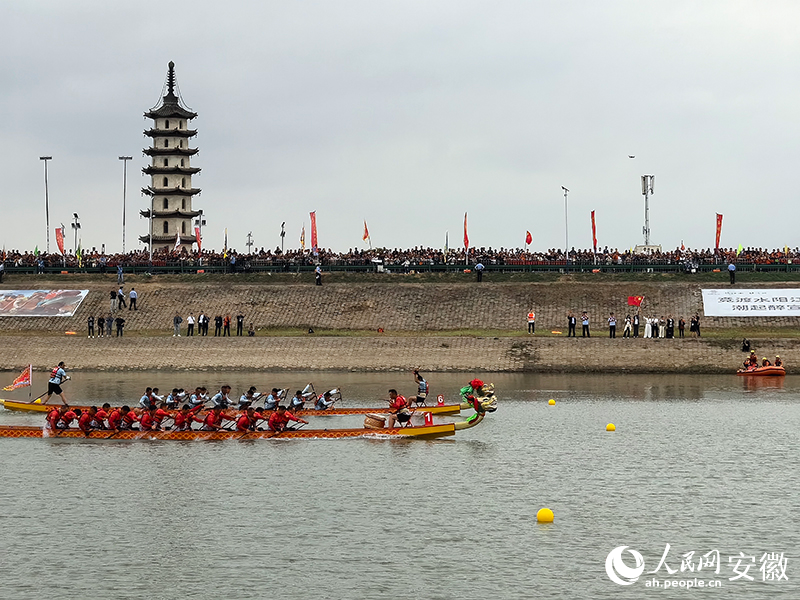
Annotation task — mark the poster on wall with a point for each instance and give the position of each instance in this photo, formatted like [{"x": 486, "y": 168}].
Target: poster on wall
[
  {"x": 751, "y": 303},
  {"x": 40, "y": 303}
]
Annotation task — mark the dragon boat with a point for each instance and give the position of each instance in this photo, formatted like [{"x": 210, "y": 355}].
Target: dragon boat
[
  {"x": 436, "y": 409},
  {"x": 373, "y": 428},
  {"x": 770, "y": 371}
]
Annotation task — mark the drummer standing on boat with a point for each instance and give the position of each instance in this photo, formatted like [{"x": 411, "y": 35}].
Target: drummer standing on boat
[{"x": 57, "y": 377}]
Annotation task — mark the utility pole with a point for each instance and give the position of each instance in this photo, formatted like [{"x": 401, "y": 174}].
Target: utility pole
[
  {"x": 566, "y": 221},
  {"x": 76, "y": 225},
  {"x": 648, "y": 183},
  {"x": 46, "y": 199},
  {"x": 124, "y": 160}
]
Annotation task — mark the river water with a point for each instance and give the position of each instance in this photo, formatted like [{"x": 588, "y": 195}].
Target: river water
[{"x": 701, "y": 463}]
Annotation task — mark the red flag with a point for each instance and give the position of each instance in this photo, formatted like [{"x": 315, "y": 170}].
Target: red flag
[
  {"x": 719, "y": 229},
  {"x": 466, "y": 237},
  {"x": 635, "y": 300},
  {"x": 23, "y": 380},
  {"x": 682, "y": 246},
  {"x": 594, "y": 234},
  {"x": 528, "y": 237},
  {"x": 60, "y": 239},
  {"x": 365, "y": 237},
  {"x": 313, "y": 231},
  {"x": 197, "y": 238}
]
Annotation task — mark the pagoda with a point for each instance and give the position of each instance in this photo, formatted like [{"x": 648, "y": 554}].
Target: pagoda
[{"x": 170, "y": 171}]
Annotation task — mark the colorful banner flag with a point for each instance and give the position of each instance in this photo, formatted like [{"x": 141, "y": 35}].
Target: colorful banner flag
[
  {"x": 682, "y": 246},
  {"x": 314, "y": 248},
  {"x": 785, "y": 251},
  {"x": 446, "y": 243},
  {"x": 365, "y": 237},
  {"x": 36, "y": 251},
  {"x": 739, "y": 250},
  {"x": 197, "y": 239},
  {"x": 719, "y": 229},
  {"x": 177, "y": 242},
  {"x": 635, "y": 300},
  {"x": 60, "y": 238},
  {"x": 225, "y": 245},
  {"x": 303, "y": 238},
  {"x": 79, "y": 255},
  {"x": 528, "y": 238},
  {"x": 466, "y": 237},
  {"x": 24, "y": 380},
  {"x": 594, "y": 234}
]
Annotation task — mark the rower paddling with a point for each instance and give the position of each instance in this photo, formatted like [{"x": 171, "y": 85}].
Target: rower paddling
[
  {"x": 399, "y": 408},
  {"x": 279, "y": 420}
]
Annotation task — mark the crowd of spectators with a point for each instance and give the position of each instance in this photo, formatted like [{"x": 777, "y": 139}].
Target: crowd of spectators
[{"x": 403, "y": 258}]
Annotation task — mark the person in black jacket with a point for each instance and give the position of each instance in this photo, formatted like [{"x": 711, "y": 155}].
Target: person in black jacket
[
  {"x": 571, "y": 322},
  {"x": 636, "y": 325}
]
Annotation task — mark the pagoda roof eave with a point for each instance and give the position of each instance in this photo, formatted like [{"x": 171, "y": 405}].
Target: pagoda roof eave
[
  {"x": 168, "y": 214},
  {"x": 161, "y": 239},
  {"x": 170, "y": 151},
  {"x": 156, "y": 170},
  {"x": 170, "y": 110},
  {"x": 185, "y": 133},
  {"x": 150, "y": 191}
]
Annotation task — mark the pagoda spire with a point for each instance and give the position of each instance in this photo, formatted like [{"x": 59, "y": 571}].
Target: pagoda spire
[{"x": 171, "y": 79}]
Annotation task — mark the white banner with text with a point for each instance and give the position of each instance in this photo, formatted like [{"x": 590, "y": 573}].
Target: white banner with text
[{"x": 751, "y": 303}]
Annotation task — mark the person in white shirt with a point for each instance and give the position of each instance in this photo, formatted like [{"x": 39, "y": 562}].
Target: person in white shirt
[
  {"x": 132, "y": 296},
  {"x": 189, "y": 325}
]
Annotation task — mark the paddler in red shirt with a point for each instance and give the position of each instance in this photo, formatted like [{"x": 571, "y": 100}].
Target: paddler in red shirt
[
  {"x": 246, "y": 420},
  {"x": 186, "y": 416},
  {"x": 115, "y": 419},
  {"x": 128, "y": 418},
  {"x": 99, "y": 420},
  {"x": 159, "y": 415},
  {"x": 54, "y": 416},
  {"x": 68, "y": 417},
  {"x": 146, "y": 421},
  {"x": 85, "y": 421},
  {"x": 279, "y": 420},
  {"x": 213, "y": 420}
]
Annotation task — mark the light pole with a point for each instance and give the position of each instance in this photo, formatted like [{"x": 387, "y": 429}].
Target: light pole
[
  {"x": 75, "y": 226},
  {"x": 249, "y": 243},
  {"x": 283, "y": 235},
  {"x": 648, "y": 182},
  {"x": 124, "y": 160},
  {"x": 566, "y": 224},
  {"x": 46, "y": 199}
]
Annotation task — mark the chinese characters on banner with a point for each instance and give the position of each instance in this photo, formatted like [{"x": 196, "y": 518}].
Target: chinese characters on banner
[{"x": 751, "y": 303}]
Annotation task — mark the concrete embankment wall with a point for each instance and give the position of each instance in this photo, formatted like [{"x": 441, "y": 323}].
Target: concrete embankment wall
[
  {"x": 386, "y": 353},
  {"x": 394, "y": 306}
]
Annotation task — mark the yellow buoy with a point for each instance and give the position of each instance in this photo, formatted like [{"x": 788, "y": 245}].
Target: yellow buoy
[
  {"x": 610, "y": 427},
  {"x": 545, "y": 515},
  {"x": 552, "y": 402}
]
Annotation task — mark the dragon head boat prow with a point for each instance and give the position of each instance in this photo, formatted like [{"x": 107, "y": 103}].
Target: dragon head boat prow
[{"x": 480, "y": 396}]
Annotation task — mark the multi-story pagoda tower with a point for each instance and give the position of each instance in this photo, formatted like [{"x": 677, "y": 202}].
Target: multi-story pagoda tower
[{"x": 170, "y": 171}]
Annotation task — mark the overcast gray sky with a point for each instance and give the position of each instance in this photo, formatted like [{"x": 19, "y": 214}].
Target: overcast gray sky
[{"x": 408, "y": 114}]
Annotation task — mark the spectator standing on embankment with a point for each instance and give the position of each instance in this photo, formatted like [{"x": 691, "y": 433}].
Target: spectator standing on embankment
[
  {"x": 109, "y": 323},
  {"x": 239, "y": 324},
  {"x": 120, "y": 276},
  {"x": 226, "y": 326},
  {"x": 217, "y": 325},
  {"x": 636, "y": 318},
  {"x": 120, "y": 325},
  {"x": 101, "y": 326},
  {"x": 732, "y": 272},
  {"x": 189, "y": 326},
  {"x": 318, "y": 275},
  {"x": 121, "y": 299},
  {"x": 132, "y": 297},
  {"x": 585, "y": 323},
  {"x": 612, "y": 326},
  {"x": 572, "y": 323},
  {"x": 479, "y": 271},
  {"x": 90, "y": 325},
  {"x": 532, "y": 321},
  {"x": 176, "y": 325},
  {"x": 113, "y": 298}
]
